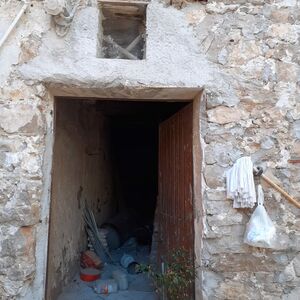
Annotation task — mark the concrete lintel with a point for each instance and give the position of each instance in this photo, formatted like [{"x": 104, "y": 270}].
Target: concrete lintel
[{"x": 126, "y": 92}]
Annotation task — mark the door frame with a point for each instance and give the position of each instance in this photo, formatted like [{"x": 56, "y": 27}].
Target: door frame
[
  {"x": 197, "y": 192},
  {"x": 140, "y": 94}
]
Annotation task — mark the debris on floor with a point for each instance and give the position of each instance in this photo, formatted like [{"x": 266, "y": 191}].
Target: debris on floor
[
  {"x": 89, "y": 259},
  {"x": 121, "y": 279},
  {"x": 89, "y": 274},
  {"x": 129, "y": 286},
  {"x": 109, "y": 268},
  {"x": 106, "y": 287}
]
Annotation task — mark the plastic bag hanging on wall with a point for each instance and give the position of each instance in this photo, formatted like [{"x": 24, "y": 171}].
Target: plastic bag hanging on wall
[{"x": 260, "y": 231}]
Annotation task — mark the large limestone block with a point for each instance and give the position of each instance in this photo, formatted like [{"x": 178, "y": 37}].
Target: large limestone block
[
  {"x": 20, "y": 118},
  {"x": 224, "y": 115},
  {"x": 283, "y": 32},
  {"x": 244, "y": 262},
  {"x": 293, "y": 295},
  {"x": 296, "y": 129},
  {"x": 214, "y": 176},
  {"x": 228, "y": 244},
  {"x": 20, "y": 201},
  {"x": 17, "y": 259},
  {"x": 296, "y": 263},
  {"x": 224, "y": 154},
  {"x": 243, "y": 52}
]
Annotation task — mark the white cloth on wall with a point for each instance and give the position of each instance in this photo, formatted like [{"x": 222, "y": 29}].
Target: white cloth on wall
[{"x": 240, "y": 183}]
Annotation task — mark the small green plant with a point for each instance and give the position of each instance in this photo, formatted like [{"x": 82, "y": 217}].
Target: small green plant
[{"x": 178, "y": 278}]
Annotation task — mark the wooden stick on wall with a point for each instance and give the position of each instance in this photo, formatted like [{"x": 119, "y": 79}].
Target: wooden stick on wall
[{"x": 258, "y": 171}]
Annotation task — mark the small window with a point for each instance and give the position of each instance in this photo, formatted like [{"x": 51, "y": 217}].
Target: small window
[{"x": 123, "y": 29}]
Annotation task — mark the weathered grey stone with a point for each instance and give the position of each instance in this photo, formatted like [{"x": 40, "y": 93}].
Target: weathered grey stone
[
  {"x": 267, "y": 143},
  {"x": 296, "y": 148},
  {"x": 29, "y": 47},
  {"x": 229, "y": 216},
  {"x": 295, "y": 112},
  {"x": 226, "y": 244},
  {"x": 19, "y": 117},
  {"x": 243, "y": 52},
  {"x": 243, "y": 262},
  {"x": 214, "y": 99},
  {"x": 220, "y": 8},
  {"x": 235, "y": 289},
  {"x": 268, "y": 73},
  {"x": 252, "y": 25},
  {"x": 11, "y": 145},
  {"x": 287, "y": 72},
  {"x": 278, "y": 15},
  {"x": 211, "y": 281},
  {"x": 214, "y": 176},
  {"x": 21, "y": 204},
  {"x": 32, "y": 165},
  {"x": 222, "y": 154},
  {"x": 283, "y": 32},
  {"x": 296, "y": 129},
  {"x": 10, "y": 161},
  {"x": 218, "y": 207},
  {"x": 215, "y": 195},
  {"x": 257, "y": 69},
  {"x": 287, "y": 275},
  {"x": 293, "y": 295},
  {"x": 251, "y": 10},
  {"x": 224, "y": 115},
  {"x": 296, "y": 264},
  {"x": 286, "y": 95},
  {"x": 23, "y": 215},
  {"x": 227, "y": 230},
  {"x": 223, "y": 56}
]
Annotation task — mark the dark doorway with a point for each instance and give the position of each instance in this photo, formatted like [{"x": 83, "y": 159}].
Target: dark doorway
[{"x": 107, "y": 154}]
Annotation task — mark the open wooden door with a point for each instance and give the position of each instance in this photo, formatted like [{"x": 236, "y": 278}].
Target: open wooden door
[{"x": 175, "y": 220}]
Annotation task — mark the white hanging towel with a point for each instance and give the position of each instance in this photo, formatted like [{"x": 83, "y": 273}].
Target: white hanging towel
[{"x": 240, "y": 183}]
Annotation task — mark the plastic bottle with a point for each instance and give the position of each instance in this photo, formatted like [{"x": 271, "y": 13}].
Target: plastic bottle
[
  {"x": 106, "y": 286},
  {"x": 121, "y": 279},
  {"x": 129, "y": 263}
]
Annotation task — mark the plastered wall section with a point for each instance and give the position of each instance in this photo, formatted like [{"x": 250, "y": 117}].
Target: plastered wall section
[
  {"x": 245, "y": 54},
  {"x": 81, "y": 173}
]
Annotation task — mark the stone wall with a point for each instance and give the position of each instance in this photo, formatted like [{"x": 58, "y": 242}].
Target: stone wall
[
  {"x": 245, "y": 54},
  {"x": 256, "y": 43}
]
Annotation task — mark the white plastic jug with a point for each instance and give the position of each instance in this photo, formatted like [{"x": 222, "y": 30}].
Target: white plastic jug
[{"x": 106, "y": 286}]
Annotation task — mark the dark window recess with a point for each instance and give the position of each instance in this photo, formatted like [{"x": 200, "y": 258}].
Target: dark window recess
[{"x": 123, "y": 29}]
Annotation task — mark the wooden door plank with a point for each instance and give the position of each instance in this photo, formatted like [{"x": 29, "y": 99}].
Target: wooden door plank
[{"x": 175, "y": 208}]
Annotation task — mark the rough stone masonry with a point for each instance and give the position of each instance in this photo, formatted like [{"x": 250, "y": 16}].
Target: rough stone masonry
[{"x": 244, "y": 54}]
